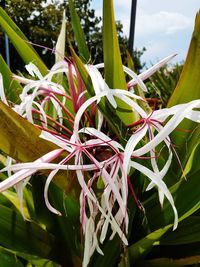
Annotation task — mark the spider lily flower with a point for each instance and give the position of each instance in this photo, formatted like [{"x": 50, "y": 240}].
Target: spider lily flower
[
  {"x": 107, "y": 170},
  {"x": 90, "y": 152},
  {"x": 35, "y": 89},
  {"x": 144, "y": 75},
  {"x": 149, "y": 72}
]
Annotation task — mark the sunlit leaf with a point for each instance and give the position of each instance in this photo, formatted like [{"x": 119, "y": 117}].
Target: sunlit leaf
[
  {"x": 114, "y": 74},
  {"x": 13, "y": 198},
  {"x": 78, "y": 32},
  {"x": 38, "y": 261},
  {"x": 184, "y": 234},
  {"x": 142, "y": 247},
  {"x": 114, "y": 121},
  {"x": 188, "y": 88},
  {"x": 20, "y": 139},
  {"x": 8, "y": 259}
]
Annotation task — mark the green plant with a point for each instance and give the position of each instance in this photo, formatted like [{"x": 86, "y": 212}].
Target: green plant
[
  {"x": 162, "y": 84},
  {"x": 105, "y": 149},
  {"x": 40, "y": 21}
]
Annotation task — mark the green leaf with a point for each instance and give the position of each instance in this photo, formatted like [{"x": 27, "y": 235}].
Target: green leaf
[
  {"x": 111, "y": 250},
  {"x": 20, "y": 139},
  {"x": 186, "y": 203},
  {"x": 12, "y": 88},
  {"x": 165, "y": 262},
  {"x": 143, "y": 246},
  {"x": 115, "y": 123},
  {"x": 11, "y": 23},
  {"x": 188, "y": 89},
  {"x": 192, "y": 165},
  {"x": 27, "y": 53},
  {"x": 83, "y": 72},
  {"x": 187, "y": 232},
  {"x": 114, "y": 73},
  {"x": 186, "y": 196},
  {"x": 66, "y": 228},
  {"x": 24, "y": 236},
  {"x": 78, "y": 32},
  {"x": 37, "y": 261},
  {"x": 8, "y": 259},
  {"x": 13, "y": 198}
]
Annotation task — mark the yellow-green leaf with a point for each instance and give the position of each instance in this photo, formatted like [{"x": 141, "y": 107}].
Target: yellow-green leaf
[
  {"x": 114, "y": 74},
  {"x": 20, "y": 139},
  {"x": 188, "y": 89}
]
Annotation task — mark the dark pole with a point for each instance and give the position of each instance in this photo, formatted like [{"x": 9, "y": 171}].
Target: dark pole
[{"x": 132, "y": 26}]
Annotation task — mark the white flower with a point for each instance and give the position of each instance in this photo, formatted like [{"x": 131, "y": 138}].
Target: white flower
[{"x": 90, "y": 152}]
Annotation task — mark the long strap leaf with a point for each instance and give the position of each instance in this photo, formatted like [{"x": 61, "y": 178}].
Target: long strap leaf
[
  {"x": 114, "y": 74},
  {"x": 27, "y": 53},
  {"x": 24, "y": 236},
  {"x": 188, "y": 88},
  {"x": 78, "y": 32},
  {"x": 114, "y": 121}
]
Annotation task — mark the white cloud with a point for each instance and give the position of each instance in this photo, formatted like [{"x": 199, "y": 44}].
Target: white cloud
[
  {"x": 155, "y": 50},
  {"x": 161, "y": 22},
  {"x": 163, "y": 27},
  {"x": 122, "y": 5}
]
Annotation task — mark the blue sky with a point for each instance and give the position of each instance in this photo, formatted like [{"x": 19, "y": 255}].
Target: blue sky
[{"x": 163, "y": 27}]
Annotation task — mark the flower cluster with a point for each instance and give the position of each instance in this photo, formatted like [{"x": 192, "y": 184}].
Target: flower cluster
[{"x": 85, "y": 145}]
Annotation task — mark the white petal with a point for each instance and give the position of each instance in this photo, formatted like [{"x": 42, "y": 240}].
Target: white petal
[
  {"x": 130, "y": 146},
  {"x": 59, "y": 141},
  {"x": 33, "y": 70},
  {"x": 16, "y": 178},
  {"x": 161, "y": 185},
  {"x": 146, "y": 74},
  {"x": 168, "y": 128},
  {"x": 46, "y": 188},
  {"x": 22, "y": 174},
  {"x": 136, "y": 78}
]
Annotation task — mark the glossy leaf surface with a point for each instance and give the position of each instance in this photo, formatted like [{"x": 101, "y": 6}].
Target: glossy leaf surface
[{"x": 15, "y": 136}]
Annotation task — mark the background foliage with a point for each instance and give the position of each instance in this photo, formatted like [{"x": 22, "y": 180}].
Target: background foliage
[{"x": 41, "y": 20}]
